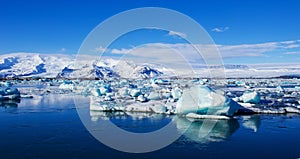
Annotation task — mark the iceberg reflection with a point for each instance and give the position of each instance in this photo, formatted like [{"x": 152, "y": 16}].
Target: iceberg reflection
[
  {"x": 195, "y": 130},
  {"x": 251, "y": 122},
  {"x": 9, "y": 103},
  {"x": 207, "y": 130}
]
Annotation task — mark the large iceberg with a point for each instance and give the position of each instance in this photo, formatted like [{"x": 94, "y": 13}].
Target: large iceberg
[{"x": 204, "y": 100}]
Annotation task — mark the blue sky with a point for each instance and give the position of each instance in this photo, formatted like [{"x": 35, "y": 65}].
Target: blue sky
[{"x": 53, "y": 26}]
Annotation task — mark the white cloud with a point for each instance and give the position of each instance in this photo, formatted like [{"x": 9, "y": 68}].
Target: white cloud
[
  {"x": 289, "y": 42},
  {"x": 184, "y": 56},
  {"x": 220, "y": 29},
  {"x": 63, "y": 50},
  {"x": 121, "y": 51},
  {"x": 99, "y": 49},
  {"x": 227, "y": 51},
  {"x": 292, "y": 53},
  {"x": 174, "y": 33}
]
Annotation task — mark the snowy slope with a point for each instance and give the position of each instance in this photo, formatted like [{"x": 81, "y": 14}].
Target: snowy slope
[{"x": 71, "y": 66}]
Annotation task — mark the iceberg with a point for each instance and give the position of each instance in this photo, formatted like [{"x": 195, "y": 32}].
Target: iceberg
[
  {"x": 7, "y": 93},
  {"x": 205, "y": 101}
]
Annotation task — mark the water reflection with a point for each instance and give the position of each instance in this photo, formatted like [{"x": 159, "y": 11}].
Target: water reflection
[
  {"x": 252, "y": 122},
  {"x": 9, "y": 103},
  {"x": 203, "y": 133},
  {"x": 132, "y": 121},
  {"x": 195, "y": 130}
]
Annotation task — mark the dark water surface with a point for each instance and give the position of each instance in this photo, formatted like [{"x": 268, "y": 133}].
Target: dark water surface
[{"x": 49, "y": 127}]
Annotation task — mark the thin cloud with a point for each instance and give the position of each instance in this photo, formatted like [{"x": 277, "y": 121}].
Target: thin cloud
[
  {"x": 220, "y": 29},
  {"x": 121, "y": 51},
  {"x": 226, "y": 51},
  {"x": 63, "y": 50},
  {"x": 175, "y": 33},
  {"x": 292, "y": 53},
  {"x": 99, "y": 49}
]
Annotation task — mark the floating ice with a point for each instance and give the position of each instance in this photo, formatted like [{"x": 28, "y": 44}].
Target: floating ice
[
  {"x": 198, "y": 116},
  {"x": 68, "y": 85},
  {"x": 9, "y": 93},
  {"x": 135, "y": 92},
  {"x": 123, "y": 91},
  {"x": 203, "y": 100},
  {"x": 250, "y": 97},
  {"x": 292, "y": 110},
  {"x": 150, "y": 107},
  {"x": 279, "y": 88},
  {"x": 176, "y": 93},
  {"x": 154, "y": 96},
  {"x": 96, "y": 92},
  {"x": 141, "y": 98}
]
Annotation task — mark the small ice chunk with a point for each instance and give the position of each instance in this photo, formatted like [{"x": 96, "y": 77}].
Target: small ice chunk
[
  {"x": 67, "y": 86},
  {"x": 26, "y": 96},
  {"x": 135, "y": 92},
  {"x": 166, "y": 95},
  {"x": 176, "y": 93},
  {"x": 292, "y": 110},
  {"x": 96, "y": 92},
  {"x": 198, "y": 116},
  {"x": 250, "y": 97},
  {"x": 105, "y": 89},
  {"x": 108, "y": 98},
  {"x": 123, "y": 91},
  {"x": 279, "y": 88},
  {"x": 141, "y": 98},
  {"x": 153, "y": 96},
  {"x": 160, "y": 109}
]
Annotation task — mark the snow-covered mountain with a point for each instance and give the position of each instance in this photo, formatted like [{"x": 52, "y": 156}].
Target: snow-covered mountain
[
  {"x": 70, "y": 66},
  {"x": 87, "y": 66}
]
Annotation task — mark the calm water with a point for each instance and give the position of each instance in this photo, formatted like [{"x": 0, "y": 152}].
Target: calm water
[{"x": 49, "y": 127}]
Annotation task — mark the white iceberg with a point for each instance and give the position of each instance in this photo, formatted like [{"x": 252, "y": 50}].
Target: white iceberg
[{"x": 205, "y": 101}]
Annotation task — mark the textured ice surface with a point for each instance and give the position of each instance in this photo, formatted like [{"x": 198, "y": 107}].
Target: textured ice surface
[{"x": 203, "y": 100}]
